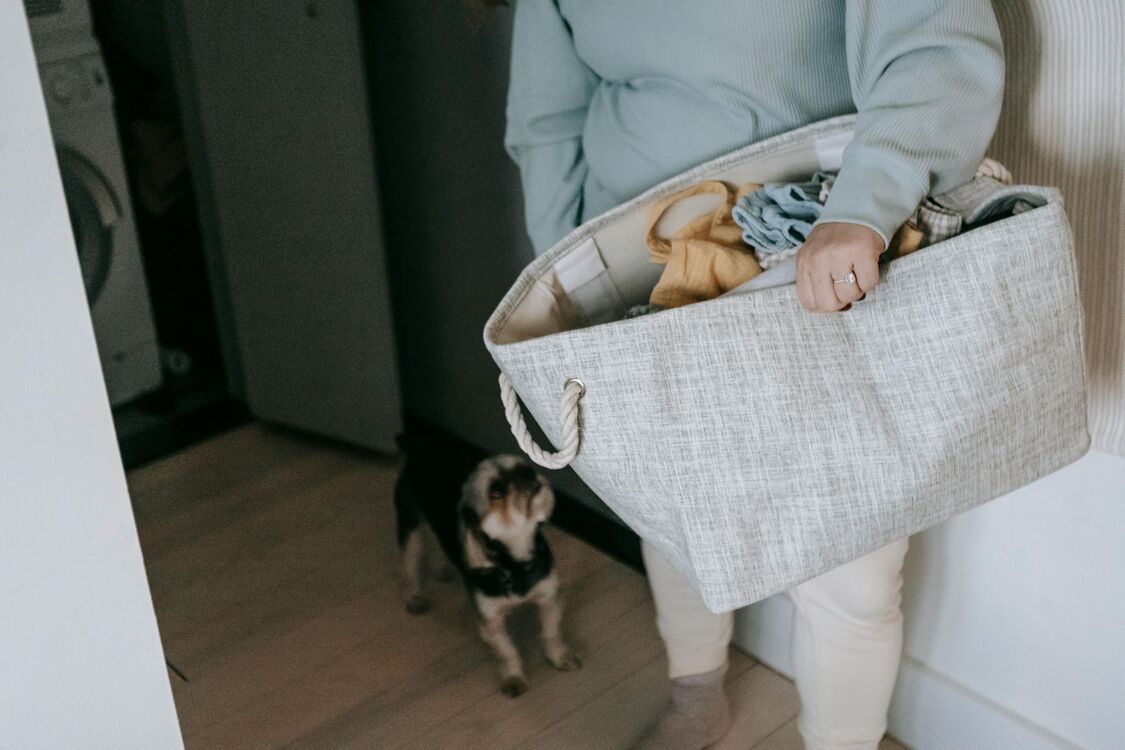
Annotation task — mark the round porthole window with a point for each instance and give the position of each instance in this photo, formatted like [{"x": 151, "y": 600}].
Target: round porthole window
[{"x": 94, "y": 211}]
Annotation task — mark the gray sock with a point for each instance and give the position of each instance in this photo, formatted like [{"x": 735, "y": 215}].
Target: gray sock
[{"x": 697, "y": 714}]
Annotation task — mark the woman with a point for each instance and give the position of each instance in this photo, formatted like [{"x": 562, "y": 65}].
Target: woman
[{"x": 609, "y": 97}]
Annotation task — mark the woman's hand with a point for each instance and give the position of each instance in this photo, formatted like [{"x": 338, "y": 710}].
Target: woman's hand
[{"x": 832, "y": 251}]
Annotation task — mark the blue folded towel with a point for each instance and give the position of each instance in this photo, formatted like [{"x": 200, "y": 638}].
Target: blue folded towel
[{"x": 780, "y": 216}]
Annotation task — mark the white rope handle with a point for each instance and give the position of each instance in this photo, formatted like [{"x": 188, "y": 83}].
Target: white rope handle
[{"x": 573, "y": 390}]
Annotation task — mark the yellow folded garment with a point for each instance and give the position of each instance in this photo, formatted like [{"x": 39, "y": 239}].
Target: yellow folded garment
[
  {"x": 707, "y": 256},
  {"x": 907, "y": 239}
]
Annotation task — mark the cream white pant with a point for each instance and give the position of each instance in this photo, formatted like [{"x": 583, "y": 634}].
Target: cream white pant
[{"x": 846, "y": 642}]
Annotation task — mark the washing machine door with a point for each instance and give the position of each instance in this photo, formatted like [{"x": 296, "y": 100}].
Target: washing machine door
[{"x": 94, "y": 211}]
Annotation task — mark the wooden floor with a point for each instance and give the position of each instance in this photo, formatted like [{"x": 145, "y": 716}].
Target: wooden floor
[{"x": 272, "y": 563}]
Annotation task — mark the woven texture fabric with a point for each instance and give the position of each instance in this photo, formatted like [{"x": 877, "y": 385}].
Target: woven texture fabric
[{"x": 757, "y": 445}]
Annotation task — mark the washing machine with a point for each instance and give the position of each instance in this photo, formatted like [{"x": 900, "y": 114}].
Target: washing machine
[{"x": 80, "y": 109}]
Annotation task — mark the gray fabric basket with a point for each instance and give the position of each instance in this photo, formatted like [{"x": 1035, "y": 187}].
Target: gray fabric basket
[{"x": 757, "y": 445}]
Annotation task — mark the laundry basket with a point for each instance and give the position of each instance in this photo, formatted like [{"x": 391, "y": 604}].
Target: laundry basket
[{"x": 757, "y": 445}]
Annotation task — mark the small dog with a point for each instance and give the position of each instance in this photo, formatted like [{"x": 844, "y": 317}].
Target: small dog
[{"x": 487, "y": 519}]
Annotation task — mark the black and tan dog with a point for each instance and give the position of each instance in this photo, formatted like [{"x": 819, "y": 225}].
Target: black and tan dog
[{"x": 487, "y": 518}]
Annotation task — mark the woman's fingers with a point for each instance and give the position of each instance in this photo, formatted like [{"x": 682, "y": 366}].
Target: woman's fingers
[
  {"x": 816, "y": 291},
  {"x": 805, "y": 285},
  {"x": 825, "y": 292},
  {"x": 837, "y": 251},
  {"x": 805, "y": 292},
  {"x": 847, "y": 285},
  {"x": 866, "y": 274}
]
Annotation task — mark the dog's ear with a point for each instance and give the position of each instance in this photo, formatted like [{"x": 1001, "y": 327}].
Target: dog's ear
[
  {"x": 543, "y": 503},
  {"x": 469, "y": 516}
]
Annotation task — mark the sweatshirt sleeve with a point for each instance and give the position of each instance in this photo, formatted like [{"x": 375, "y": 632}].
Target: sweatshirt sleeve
[
  {"x": 927, "y": 77},
  {"x": 549, "y": 91}
]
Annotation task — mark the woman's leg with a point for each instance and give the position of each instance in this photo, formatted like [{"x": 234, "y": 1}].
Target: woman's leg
[
  {"x": 846, "y": 646},
  {"x": 697, "y": 641}
]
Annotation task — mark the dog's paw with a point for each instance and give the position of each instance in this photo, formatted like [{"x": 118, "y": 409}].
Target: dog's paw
[
  {"x": 565, "y": 662},
  {"x": 513, "y": 686},
  {"x": 418, "y": 604}
]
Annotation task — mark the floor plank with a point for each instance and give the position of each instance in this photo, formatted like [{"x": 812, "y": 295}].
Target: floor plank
[
  {"x": 273, "y": 569},
  {"x": 447, "y": 688},
  {"x": 614, "y": 718},
  {"x": 762, "y": 702}
]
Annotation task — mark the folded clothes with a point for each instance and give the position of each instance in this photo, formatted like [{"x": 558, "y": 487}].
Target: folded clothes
[
  {"x": 638, "y": 310},
  {"x": 769, "y": 260},
  {"x": 761, "y": 228},
  {"x": 777, "y": 219},
  {"x": 990, "y": 195},
  {"x": 906, "y": 240},
  {"x": 706, "y": 256},
  {"x": 935, "y": 222},
  {"x": 825, "y": 187},
  {"x": 780, "y": 216},
  {"x": 984, "y": 199},
  {"x": 992, "y": 168}
]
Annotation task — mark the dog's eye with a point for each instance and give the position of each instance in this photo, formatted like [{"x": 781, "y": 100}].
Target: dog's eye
[
  {"x": 496, "y": 492},
  {"x": 535, "y": 488}
]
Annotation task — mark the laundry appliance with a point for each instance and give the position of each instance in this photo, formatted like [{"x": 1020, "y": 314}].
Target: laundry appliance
[{"x": 80, "y": 108}]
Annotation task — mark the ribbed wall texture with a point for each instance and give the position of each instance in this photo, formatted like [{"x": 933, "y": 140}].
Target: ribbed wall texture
[{"x": 1063, "y": 124}]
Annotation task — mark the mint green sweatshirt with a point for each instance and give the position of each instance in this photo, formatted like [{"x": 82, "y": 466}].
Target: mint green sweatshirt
[{"x": 609, "y": 97}]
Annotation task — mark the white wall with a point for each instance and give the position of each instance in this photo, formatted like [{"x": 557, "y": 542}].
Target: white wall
[
  {"x": 81, "y": 664},
  {"x": 1015, "y": 620}
]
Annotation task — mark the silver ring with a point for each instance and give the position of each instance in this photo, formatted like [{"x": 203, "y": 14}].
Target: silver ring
[
  {"x": 581, "y": 386},
  {"x": 849, "y": 279}
]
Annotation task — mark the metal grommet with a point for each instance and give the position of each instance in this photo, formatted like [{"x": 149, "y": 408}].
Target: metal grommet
[{"x": 581, "y": 386}]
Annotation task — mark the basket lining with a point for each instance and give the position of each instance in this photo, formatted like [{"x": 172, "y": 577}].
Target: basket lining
[{"x": 604, "y": 274}]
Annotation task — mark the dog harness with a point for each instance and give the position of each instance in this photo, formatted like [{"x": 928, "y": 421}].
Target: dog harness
[{"x": 509, "y": 576}]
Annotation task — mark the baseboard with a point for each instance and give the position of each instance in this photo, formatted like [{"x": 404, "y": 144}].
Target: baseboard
[
  {"x": 933, "y": 712},
  {"x": 929, "y": 712}
]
